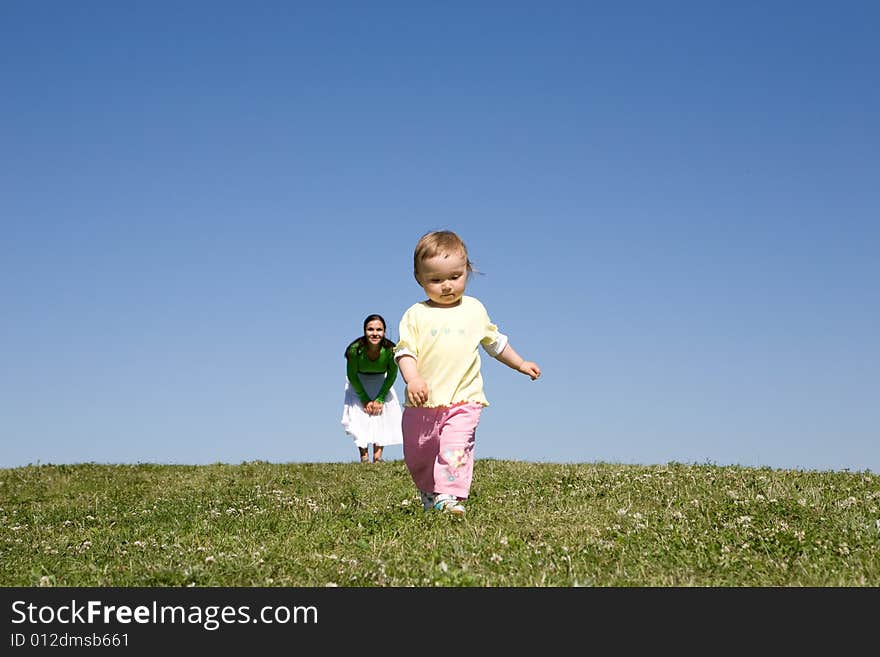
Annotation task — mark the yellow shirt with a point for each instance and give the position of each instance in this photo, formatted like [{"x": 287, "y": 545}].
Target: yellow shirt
[{"x": 445, "y": 342}]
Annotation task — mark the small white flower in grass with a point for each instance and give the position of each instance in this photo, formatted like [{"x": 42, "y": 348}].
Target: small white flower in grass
[
  {"x": 191, "y": 585},
  {"x": 496, "y": 558},
  {"x": 621, "y": 512},
  {"x": 848, "y": 502},
  {"x": 444, "y": 567},
  {"x": 45, "y": 580},
  {"x": 405, "y": 502},
  {"x": 744, "y": 520},
  {"x": 210, "y": 559},
  {"x": 504, "y": 541}
]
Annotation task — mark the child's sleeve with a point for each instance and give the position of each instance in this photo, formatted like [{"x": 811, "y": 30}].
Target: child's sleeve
[
  {"x": 493, "y": 340},
  {"x": 408, "y": 332},
  {"x": 351, "y": 371}
]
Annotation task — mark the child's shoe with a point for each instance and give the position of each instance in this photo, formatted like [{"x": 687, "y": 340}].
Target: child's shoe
[
  {"x": 448, "y": 503},
  {"x": 427, "y": 500}
]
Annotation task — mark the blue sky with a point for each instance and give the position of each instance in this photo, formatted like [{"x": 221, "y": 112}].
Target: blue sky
[{"x": 674, "y": 206}]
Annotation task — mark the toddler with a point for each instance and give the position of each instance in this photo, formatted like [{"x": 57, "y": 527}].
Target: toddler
[{"x": 438, "y": 358}]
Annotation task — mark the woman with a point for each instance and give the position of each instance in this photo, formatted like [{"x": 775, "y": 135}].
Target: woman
[{"x": 371, "y": 412}]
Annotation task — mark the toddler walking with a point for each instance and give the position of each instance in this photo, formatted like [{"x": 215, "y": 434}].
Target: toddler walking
[{"x": 438, "y": 358}]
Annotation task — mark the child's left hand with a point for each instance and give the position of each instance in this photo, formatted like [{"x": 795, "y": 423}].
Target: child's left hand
[{"x": 530, "y": 369}]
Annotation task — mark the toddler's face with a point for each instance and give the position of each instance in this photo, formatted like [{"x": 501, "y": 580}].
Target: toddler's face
[{"x": 443, "y": 278}]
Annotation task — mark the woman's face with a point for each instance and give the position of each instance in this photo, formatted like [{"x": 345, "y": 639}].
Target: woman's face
[{"x": 374, "y": 332}]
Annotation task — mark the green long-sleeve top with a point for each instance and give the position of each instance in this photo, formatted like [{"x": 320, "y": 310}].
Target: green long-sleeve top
[{"x": 359, "y": 362}]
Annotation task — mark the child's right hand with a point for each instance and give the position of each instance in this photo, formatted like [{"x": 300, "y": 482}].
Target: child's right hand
[{"x": 417, "y": 391}]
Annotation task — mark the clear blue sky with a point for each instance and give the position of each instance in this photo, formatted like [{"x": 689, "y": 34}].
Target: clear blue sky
[{"x": 675, "y": 207}]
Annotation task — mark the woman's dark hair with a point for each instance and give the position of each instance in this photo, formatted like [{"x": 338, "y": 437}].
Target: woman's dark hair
[{"x": 361, "y": 341}]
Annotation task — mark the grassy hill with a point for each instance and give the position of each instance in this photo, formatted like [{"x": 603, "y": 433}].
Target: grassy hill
[{"x": 354, "y": 525}]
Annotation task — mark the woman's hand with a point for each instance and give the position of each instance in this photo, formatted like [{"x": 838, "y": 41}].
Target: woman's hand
[{"x": 374, "y": 407}]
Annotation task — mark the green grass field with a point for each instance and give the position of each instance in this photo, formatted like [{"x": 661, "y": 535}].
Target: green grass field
[{"x": 354, "y": 525}]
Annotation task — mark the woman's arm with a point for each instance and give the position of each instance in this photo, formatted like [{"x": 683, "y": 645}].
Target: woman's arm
[
  {"x": 390, "y": 378},
  {"x": 351, "y": 371}
]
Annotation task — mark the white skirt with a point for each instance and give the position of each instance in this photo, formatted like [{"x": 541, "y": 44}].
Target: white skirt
[{"x": 383, "y": 429}]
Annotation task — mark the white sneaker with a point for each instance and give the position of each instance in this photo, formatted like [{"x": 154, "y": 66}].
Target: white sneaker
[{"x": 449, "y": 504}]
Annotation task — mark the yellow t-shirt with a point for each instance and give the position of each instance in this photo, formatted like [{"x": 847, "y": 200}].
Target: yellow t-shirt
[{"x": 445, "y": 343}]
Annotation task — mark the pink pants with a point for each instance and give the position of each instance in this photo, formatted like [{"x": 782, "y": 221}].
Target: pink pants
[{"x": 438, "y": 447}]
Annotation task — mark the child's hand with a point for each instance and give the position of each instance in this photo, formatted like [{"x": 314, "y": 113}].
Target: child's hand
[
  {"x": 530, "y": 369},
  {"x": 417, "y": 391}
]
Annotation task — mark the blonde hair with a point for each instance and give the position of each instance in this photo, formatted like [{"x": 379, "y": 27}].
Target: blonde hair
[{"x": 439, "y": 242}]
